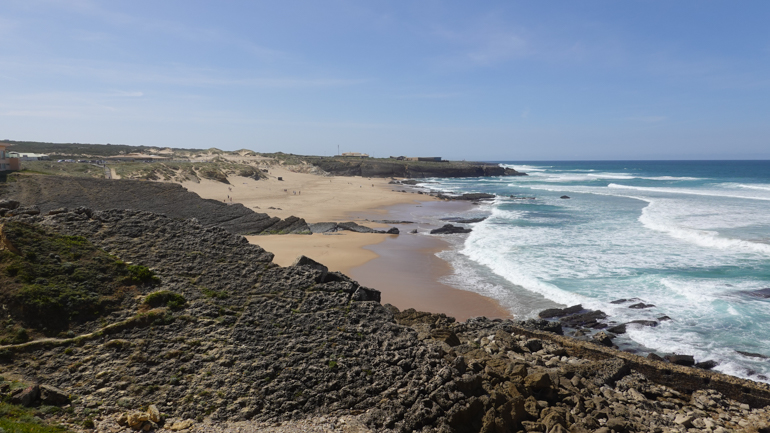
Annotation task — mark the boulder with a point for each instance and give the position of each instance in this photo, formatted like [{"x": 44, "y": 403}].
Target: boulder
[
  {"x": 565, "y": 197},
  {"x": 686, "y": 360},
  {"x": 602, "y": 338},
  {"x": 560, "y": 312},
  {"x": 654, "y": 357},
  {"x": 706, "y": 365},
  {"x": 640, "y": 305},
  {"x": 154, "y": 413},
  {"x": 310, "y": 263},
  {"x": 53, "y": 396},
  {"x": 181, "y": 425},
  {"x": 27, "y": 210},
  {"x": 26, "y": 396},
  {"x": 449, "y": 229},
  {"x": 9, "y": 204}
]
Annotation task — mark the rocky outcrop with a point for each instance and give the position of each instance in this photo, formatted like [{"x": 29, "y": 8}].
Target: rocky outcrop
[
  {"x": 476, "y": 196},
  {"x": 449, "y": 229},
  {"x": 461, "y": 220},
  {"x": 409, "y": 169},
  {"x": 332, "y": 227},
  {"x": 50, "y": 193},
  {"x": 255, "y": 341}
]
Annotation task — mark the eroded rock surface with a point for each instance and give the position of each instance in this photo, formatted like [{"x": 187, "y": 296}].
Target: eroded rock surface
[{"x": 255, "y": 341}]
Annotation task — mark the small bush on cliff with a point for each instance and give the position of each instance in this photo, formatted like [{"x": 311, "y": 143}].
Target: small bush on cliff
[
  {"x": 173, "y": 301},
  {"x": 138, "y": 274}
]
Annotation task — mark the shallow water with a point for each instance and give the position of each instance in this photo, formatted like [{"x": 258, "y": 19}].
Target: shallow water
[{"x": 690, "y": 237}]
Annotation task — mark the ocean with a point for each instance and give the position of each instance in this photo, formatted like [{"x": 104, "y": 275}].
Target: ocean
[{"x": 691, "y": 238}]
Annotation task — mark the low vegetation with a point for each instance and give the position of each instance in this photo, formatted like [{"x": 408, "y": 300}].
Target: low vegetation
[{"x": 51, "y": 282}]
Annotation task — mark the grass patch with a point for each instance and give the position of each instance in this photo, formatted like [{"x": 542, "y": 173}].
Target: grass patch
[{"x": 19, "y": 419}]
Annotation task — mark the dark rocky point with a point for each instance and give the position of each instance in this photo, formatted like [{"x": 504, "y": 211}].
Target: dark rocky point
[{"x": 449, "y": 229}]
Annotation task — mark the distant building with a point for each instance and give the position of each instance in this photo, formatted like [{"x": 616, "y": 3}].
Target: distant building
[
  {"x": 354, "y": 155},
  {"x": 27, "y": 156},
  {"x": 8, "y": 163}
]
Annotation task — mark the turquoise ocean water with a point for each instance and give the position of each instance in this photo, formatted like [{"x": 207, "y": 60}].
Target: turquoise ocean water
[{"x": 690, "y": 237}]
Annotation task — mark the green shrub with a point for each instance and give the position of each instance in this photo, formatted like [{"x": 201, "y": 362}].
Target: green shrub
[
  {"x": 214, "y": 294},
  {"x": 138, "y": 274},
  {"x": 173, "y": 301}
]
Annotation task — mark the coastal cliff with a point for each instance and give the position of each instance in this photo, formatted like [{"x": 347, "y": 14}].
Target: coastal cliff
[
  {"x": 171, "y": 199},
  {"x": 216, "y": 333},
  {"x": 409, "y": 169}
]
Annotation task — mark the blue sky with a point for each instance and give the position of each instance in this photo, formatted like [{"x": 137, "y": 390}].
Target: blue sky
[{"x": 491, "y": 80}]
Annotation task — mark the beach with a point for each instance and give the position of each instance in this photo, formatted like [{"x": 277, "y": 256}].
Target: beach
[{"x": 403, "y": 267}]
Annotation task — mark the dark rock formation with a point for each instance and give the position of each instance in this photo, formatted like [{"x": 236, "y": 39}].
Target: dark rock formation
[
  {"x": 449, "y": 229},
  {"x": 467, "y": 197},
  {"x": 564, "y": 197},
  {"x": 255, "y": 341},
  {"x": 686, "y": 360},
  {"x": 409, "y": 169},
  {"x": 560, "y": 312},
  {"x": 54, "y": 192},
  {"x": 761, "y": 293},
  {"x": 461, "y": 220},
  {"x": 640, "y": 305},
  {"x": 332, "y": 227}
]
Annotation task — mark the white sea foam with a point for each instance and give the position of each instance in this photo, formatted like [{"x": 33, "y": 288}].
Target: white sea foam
[
  {"x": 690, "y": 191},
  {"x": 761, "y": 187},
  {"x": 657, "y": 220}
]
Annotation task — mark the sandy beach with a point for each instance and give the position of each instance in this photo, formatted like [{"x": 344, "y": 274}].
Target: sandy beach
[
  {"x": 403, "y": 267},
  {"x": 310, "y": 196}
]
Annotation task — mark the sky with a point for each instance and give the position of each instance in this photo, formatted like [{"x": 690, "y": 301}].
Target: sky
[{"x": 486, "y": 80}]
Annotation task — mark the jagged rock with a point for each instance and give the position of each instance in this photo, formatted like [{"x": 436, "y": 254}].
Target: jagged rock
[
  {"x": 686, "y": 360},
  {"x": 303, "y": 345},
  {"x": 181, "y": 425},
  {"x": 650, "y": 323},
  {"x": 57, "y": 192},
  {"x": 468, "y": 197},
  {"x": 640, "y": 305},
  {"x": 153, "y": 413},
  {"x": 26, "y": 210},
  {"x": 707, "y": 365},
  {"x": 602, "y": 338},
  {"x": 53, "y": 396},
  {"x": 312, "y": 264},
  {"x": 560, "y": 312},
  {"x": 618, "y": 329},
  {"x": 26, "y": 396},
  {"x": 445, "y": 335},
  {"x": 460, "y": 220},
  {"x": 588, "y": 319},
  {"x": 655, "y": 357},
  {"x": 448, "y": 229},
  {"x": 753, "y": 355},
  {"x": 366, "y": 294},
  {"x": 542, "y": 325},
  {"x": 9, "y": 204}
]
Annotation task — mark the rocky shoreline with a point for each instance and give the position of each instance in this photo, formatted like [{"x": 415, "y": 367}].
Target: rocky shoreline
[{"x": 251, "y": 342}]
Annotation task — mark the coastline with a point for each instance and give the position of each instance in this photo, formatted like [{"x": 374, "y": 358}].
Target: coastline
[{"x": 397, "y": 265}]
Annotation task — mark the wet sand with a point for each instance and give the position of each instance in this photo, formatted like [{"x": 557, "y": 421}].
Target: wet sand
[{"x": 403, "y": 267}]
